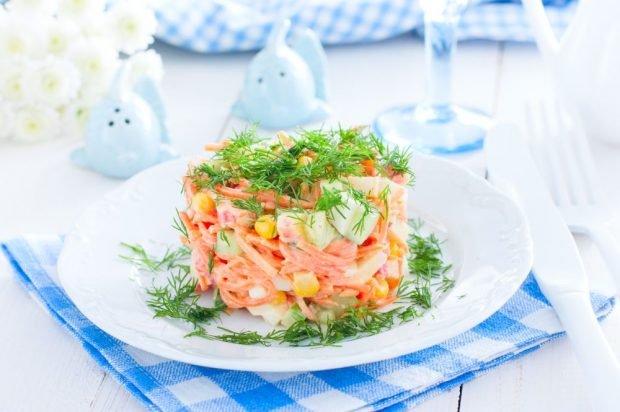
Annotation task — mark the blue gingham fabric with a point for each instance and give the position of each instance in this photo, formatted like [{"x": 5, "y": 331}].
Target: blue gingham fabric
[
  {"x": 521, "y": 326},
  {"x": 211, "y": 26}
]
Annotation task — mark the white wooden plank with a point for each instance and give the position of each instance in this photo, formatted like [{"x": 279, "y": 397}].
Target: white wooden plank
[
  {"x": 42, "y": 366},
  {"x": 445, "y": 402},
  {"x": 111, "y": 396}
]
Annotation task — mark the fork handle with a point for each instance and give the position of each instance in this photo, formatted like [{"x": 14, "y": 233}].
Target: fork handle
[
  {"x": 598, "y": 362},
  {"x": 609, "y": 246}
]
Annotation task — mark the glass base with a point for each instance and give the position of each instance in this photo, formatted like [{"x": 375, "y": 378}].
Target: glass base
[{"x": 445, "y": 131}]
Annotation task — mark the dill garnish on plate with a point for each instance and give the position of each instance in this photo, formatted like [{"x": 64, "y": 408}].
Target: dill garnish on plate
[{"x": 178, "y": 299}]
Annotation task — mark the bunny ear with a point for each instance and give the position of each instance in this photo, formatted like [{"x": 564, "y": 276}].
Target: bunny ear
[
  {"x": 149, "y": 91},
  {"x": 308, "y": 46},
  {"x": 277, "y": 37},
  {"x": 118, "y": 87}
]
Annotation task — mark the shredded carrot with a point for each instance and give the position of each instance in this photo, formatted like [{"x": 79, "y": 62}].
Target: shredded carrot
[
  {"x": 256, "y": 257},
  {"x": 214, "y": 147},
  {"x": 269, "y": 199}
]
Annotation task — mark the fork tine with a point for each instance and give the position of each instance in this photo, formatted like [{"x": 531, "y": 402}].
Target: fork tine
[
  {"x": 583, "y": 157},
  {"x": 577, "y": 185},
  {"x": 535, "y": 141},
  {"x": 544, "y": 138}
]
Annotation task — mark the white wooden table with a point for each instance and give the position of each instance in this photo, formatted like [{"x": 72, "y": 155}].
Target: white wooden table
[{"x": 43, "y": 368}]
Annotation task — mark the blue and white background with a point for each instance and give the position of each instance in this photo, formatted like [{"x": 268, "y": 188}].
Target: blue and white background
[{"x": 221, "y": 26}]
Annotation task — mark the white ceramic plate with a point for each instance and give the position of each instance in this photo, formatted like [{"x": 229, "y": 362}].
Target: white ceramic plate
[{"x": 487, "y": 242}]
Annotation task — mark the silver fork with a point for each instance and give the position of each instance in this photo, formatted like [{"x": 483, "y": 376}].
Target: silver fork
[{"x": 564, "y": 157}]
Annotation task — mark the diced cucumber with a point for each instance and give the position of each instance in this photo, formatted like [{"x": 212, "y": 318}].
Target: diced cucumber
[
  {"x": 362, "y": 225},
  {"x": 318, "y": 230},
  {"x": 334, "y": 185},
  {"x": 293, "y": 315},
  {"x": 374, "y": 185},
  {"x": 273, "y": 314},
  {"x": 352, "y": 221},
  {"x": 325, "y": 315},
  {"x": 365, "y": 184},
  {"x": 344, "y": 303},
  {"x": 225, "y": 243},
  {"x": 340, "y": 216}
]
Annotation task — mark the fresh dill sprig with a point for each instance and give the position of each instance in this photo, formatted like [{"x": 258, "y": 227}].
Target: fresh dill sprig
[
  {"x": 177, "y": 224},
  {"x": 244, "y": 337},
  {"x": 427, "y": 266},
  {"x": 369, "y": 208},
  {"x": 274, "y": 167},
  {"x": 207, "y": 175},
  {"x": 171, "y": 258},
  {"x": 211, "y": 262},
  {"x": 395, "y": 159},
  {"x": 253, "y": 205},
  {"x": 178, "y": 300},
  {"x": 331, "y": 201},
  {"x": 426, "y": 261},
  {"x": 416, "y": 291},
  {"x": 384, "y": 196},
  {"x": 223, "y": 236}
]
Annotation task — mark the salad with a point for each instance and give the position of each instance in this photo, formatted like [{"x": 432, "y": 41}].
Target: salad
[{"x": 308, "y": 227}]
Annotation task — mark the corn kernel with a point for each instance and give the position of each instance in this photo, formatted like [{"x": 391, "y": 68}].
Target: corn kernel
[
  {"x": 202, "y": 203},
  {"x": 395, "y": 250},
  {"x": 265, "y": 226},
  {"x": 381, "y": 289},
  {"x": 303, "y": 161},
  {"x": 305, "y": 284},
  {"x": 279, "y": 298},
  {"x": 393, "y": 282}
]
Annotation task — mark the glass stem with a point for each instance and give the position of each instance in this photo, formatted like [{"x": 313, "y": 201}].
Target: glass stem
[{"x": 440, "y": 46}]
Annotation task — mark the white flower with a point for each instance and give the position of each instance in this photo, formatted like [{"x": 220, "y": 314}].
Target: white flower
[
  {"x": 47, "y": 7},
  {"x": 80, "y": 8},
  {"x": 12, "y": 79},
  {"x": 36, "y": 123},
  {"x": 75, "y": 117},
  {"x": 96, "y": 61},
  {"x": 6, "y": 120},
  {"x": 146, "y": 63},
  {"x": 131, "y": 26},
  {"x": 17, "y": 38},
  {"x": 94, "y": 26},
  {"x": 59, "y": 36},
  {"x": 54, "y": 82}
]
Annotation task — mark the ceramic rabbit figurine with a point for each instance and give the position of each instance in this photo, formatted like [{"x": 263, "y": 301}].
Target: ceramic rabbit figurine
[
  {"x": 126, "y": 131},
  {"x": 285, "y": 86}
]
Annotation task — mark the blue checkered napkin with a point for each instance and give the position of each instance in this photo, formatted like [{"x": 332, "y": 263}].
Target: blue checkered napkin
[
  {"x": 217, "y": 26},
  {"x": 522, "y": 325}
]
